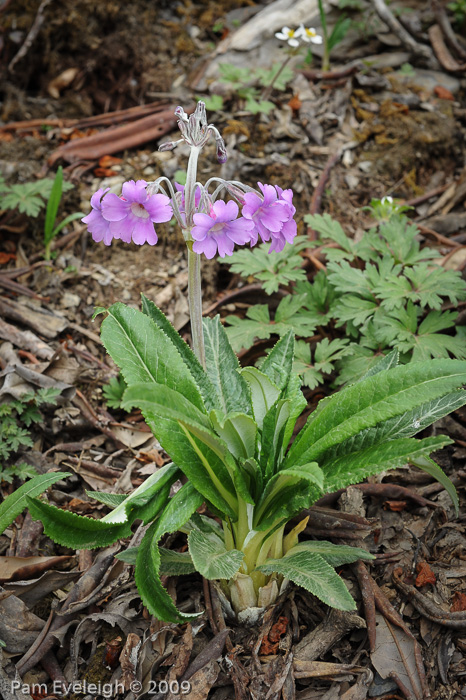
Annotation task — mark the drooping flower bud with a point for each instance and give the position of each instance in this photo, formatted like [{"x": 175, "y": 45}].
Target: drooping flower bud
[{"x": 221, "y": 150}]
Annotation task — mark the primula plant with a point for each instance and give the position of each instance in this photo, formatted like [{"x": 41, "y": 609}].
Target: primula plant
[{"x": 228, "y": 429}]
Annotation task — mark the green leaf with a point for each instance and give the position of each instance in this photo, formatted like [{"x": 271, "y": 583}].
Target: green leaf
[
  {"x": 153, "y": 594},
  {"x": 334, "y": 554},
  {"x": 179, "y": 509},
  {"x": 272, "y": 439},
  {"x": 135, "y": 505},
  {"x": 341, "y": 28},
  {"x": 201, "y": 464},
  {"x": 272, "y": 269},
  {"x": 210, "y": 556},
  {"x": 387, "y": 362},
  {"x": 311, "y": 572},
  {"x": 144, "y": 352},
  {"x": 52, "y": 206},
  {"x": 16, "y": 502},
  {"x": 329, "y": 228},
  {"x": 189, "y": 358},
  {"x": 76, "y": 531},
  {"x": 369, "y": 403},
  {"x": 155, "y": 398},
  {"x": 279, "y": 362},
  {"x": 175, "y": 563},
  {"x": 354, "y": 467},
  {"x": 428, "y": 465},
  {"x": 264, "y": 392},
  {"x": 289, "y": 316},
  {"x": 287, "y": 493},
  {"x": 238, "y": 431},
  {"x": 109, "y": 499},
  {"x": 223, "y": 473},
  {"x": 67, "y": 220},
  {"x": 222, "y": 367}
]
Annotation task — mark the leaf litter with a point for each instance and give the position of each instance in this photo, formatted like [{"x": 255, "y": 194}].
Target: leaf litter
[{"x": 382, "y": 122}]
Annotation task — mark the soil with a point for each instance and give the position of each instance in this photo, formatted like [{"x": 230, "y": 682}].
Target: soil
[{"x": 396, "y": 132}]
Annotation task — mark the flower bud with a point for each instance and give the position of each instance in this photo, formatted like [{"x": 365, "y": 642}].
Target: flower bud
[
  {"x": 221, "y": 150},
  {"x": 167, "y": 146}
]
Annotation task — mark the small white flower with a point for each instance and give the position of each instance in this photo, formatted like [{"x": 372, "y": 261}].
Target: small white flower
[
  {"x": 308, "y": 34},
  {"x": 386, "y": 200},
  {"x": 288, "y": 35}
]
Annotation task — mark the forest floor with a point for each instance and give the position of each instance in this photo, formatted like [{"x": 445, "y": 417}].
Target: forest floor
[{"x": 388, "y": 119}]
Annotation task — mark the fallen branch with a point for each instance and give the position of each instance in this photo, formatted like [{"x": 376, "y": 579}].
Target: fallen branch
[{"x": 116, "y": 139}]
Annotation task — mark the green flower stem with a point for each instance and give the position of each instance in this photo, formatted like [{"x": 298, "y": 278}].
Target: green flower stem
[
  {"x": 194, "y": 260},
  {"x": 195, "y": 303}
]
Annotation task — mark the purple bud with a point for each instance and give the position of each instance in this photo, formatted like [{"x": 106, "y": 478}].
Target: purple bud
[
  {"x": 167, "y": 146},
  {"x": 221, "y": 150}
]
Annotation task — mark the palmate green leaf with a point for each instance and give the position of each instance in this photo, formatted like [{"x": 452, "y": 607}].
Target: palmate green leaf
[
  {"x": 290, "y": 315},
  {"x": 369, "y": 403},
  {"x": 329, "y": 228},
  {"x": 355, "y": 467},
  {"x": 311, "y": 572},
  {"x": 320, "y": 297},
  {"x": 430, "y": 283},
  {"x": 16, "y": 502},
  {"x": 326, "y": 353},
  {"x": 189, "y": 358},
  {"x": 349, "y": 280},
  {"x": 222, "y": 367},
  {"x": 210, "y": 556},
  {"x": 272, "y": 269},
  {"x": 355, "y": 310},
  {"x": 334, "y": 554},
  {"x": 264, "y": 393},
  {"x": 144, "y": 352},
  {"x": 76, "y": 531}
]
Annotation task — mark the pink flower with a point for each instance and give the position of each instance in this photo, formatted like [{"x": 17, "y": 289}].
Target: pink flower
[
  {"x": 95, "y": 222},
  {"x": 132, "y": 216},
  {"x": 271, "y": 215},
  {"x": 182, "y": 202},
  {"x": 220, "y": 230}
]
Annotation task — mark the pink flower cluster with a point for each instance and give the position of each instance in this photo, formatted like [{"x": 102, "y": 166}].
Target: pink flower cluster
[
  {"x": 130, "y": 217},
  {"x": 269, "y": 218}
]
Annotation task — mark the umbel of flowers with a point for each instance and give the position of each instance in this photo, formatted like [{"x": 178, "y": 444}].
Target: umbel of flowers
[{"x": 209, "y": 224}]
